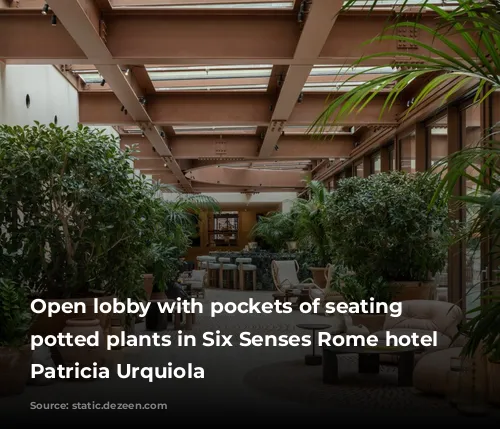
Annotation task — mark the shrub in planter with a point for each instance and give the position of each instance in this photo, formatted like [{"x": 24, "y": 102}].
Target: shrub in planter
[
  {"x": 384, "y": 226},
  {"x": 15, "y": 352},
  {"x": 74, "y": 216}
]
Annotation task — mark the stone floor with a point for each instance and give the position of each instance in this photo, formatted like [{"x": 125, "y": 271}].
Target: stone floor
[{"x": 241, "y": 384}]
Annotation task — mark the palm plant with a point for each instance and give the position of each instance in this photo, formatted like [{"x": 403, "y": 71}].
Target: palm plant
[
  {"x": 173, "y": 225},
  {"x": 276, "y": 229},
  {"x": 470, "y": 33},
  {"x": 470, "y": 37},
  {"x": 310, "y": 223}
]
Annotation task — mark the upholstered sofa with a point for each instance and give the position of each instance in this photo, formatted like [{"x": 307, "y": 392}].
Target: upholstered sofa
[{"x": 423, "y": 317}]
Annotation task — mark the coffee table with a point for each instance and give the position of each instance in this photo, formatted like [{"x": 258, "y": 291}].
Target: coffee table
[
  {"x": 369, "y": 361},
  {"x": 313, "y": 359}
]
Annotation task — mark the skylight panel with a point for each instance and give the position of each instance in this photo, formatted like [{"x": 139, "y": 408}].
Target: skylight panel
[
  {"x": 298, "y": 130},
  {"x": 210, "y": 78},
  {"x": 219, "y": 129},
  {"x": 204, "y": 4}
]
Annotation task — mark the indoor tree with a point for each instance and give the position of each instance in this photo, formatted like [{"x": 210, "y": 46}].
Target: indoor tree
[
  {"x": 462, "y": 52},
  {"x": 276, "y": 229},
  {"x": 173, "y": 223},
  {"x": 74, "y": 216}
]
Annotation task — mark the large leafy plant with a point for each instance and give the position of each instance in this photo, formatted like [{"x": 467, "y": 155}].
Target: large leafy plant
[
  {"x": 311, "y": 222},
  {"x": 74, "y": 217},
  {"x": 276, "y": 229},
  {"x": 381, "y": 227},
  {"x": 461, "y": 50},
  {"x": 15, "y": 315},
  {"x": 172, "y": 225}
]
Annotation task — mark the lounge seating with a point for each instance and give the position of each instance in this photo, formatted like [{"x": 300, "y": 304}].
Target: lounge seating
[
  {"x": 317, "y": 292},
  {"x": 197, "y": 281},
  {"x": 423, "y": 317},
  {"x": 286, "y": 280}
]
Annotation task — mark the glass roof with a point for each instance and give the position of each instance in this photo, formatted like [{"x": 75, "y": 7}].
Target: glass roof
[
  {"x": 332, "y": 78},
  {"x": 222, "y": 130},
  {"x": 273, "y": 165},
  {"x": 210, "y": 78},
  {"x": 297, "y": 129},
  {"x": 392, "y": 3},
  {"x": 202, "y": 4}
]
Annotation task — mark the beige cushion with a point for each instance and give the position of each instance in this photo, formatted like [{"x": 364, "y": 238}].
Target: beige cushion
[
  {"x": 427, "y": 315},
  {"x": 431, "y": 372}
]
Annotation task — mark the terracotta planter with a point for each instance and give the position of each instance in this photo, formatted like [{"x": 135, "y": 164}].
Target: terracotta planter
[
  {"x": 406, "y": 291},
  {"x": 44, "y": 325},
  {"x": 318, "y": 276},
  {"x": 148, "y": 285},
  {"x": 89, "y": 354},
  {"x": 374, "y": 322},
  {"x": 494, "y": 382},
  {"x": 15, "y": 366}
]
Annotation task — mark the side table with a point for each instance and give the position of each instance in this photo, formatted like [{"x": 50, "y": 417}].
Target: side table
[{"x": 313, "y": 359}]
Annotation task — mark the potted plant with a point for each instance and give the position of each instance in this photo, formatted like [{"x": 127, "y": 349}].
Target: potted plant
[
  {"x": 74, "y": 216},
  {"x": 15, "y": 352},
  {"x": 310, "y": 224},
  {"x": 383, "y": 226},
  {"x": 276, "y": 229},
  {"x": 356, "y": 287}
]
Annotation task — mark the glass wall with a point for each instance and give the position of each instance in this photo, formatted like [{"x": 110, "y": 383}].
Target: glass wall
[
  {"x": 407, "y": 153},
  {"x": 471, "y": 135},
  {"x": 392, "y": 158},
  {"x": 358, "y": 170},
  {"x": 375, "y": 163},
  {"x": 437, "y": 149},
  {"x": 437, "y": 142}
]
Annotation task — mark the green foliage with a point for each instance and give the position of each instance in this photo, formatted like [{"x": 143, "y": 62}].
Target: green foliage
[
  {"x": 305, "y": 223},
  {"x": 171, "y": 226},
  {"x": 75, "y": 219},
  {"x": 474, "y": 24},
  {"x": 15, "y": 315},
  {"x": 381, "y": 227},
  {"x": 311, "y": 223},
  {"x": 356, "y": 287},
  {"x": 276, "y": 229}
]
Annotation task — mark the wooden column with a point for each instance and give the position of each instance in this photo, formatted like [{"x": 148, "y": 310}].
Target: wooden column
[
  {"x": 456, "y": 252},
  {"x": 420, "y": 147}
]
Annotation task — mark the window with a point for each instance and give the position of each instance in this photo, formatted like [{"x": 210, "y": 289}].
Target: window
[
  {"x": 375, "y": 164},
  {"x": 471, "y": 135},
  {"x": 225, "y": 229},
  {"x": 437, "y": 141},
  {"x": 358, "y": 170},
  {"x": 408, "y": 153},
  {"x": 392, "y": 158},
  {"x": 210, "y": 78}
]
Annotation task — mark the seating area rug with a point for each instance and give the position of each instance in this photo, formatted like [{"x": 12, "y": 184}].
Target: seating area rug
[{"x": 294, "y": 381}]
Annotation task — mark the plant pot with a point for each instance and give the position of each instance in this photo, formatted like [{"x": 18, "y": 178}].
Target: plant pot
[
  {"x": 373, "y": 322},
  {"x": 148, "y": 285},
  {"x": 407, "y": 291},
  {"x": 493, "y": 382},
  {"x": 89, "y": 354},
  {"x": 291, "y": 246},
  {"x": 44, "y": 325},
  {"x": 318, "y": 276},
  {"x": 156, "y": 320},
  {"x": 14, "y": 369}
]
